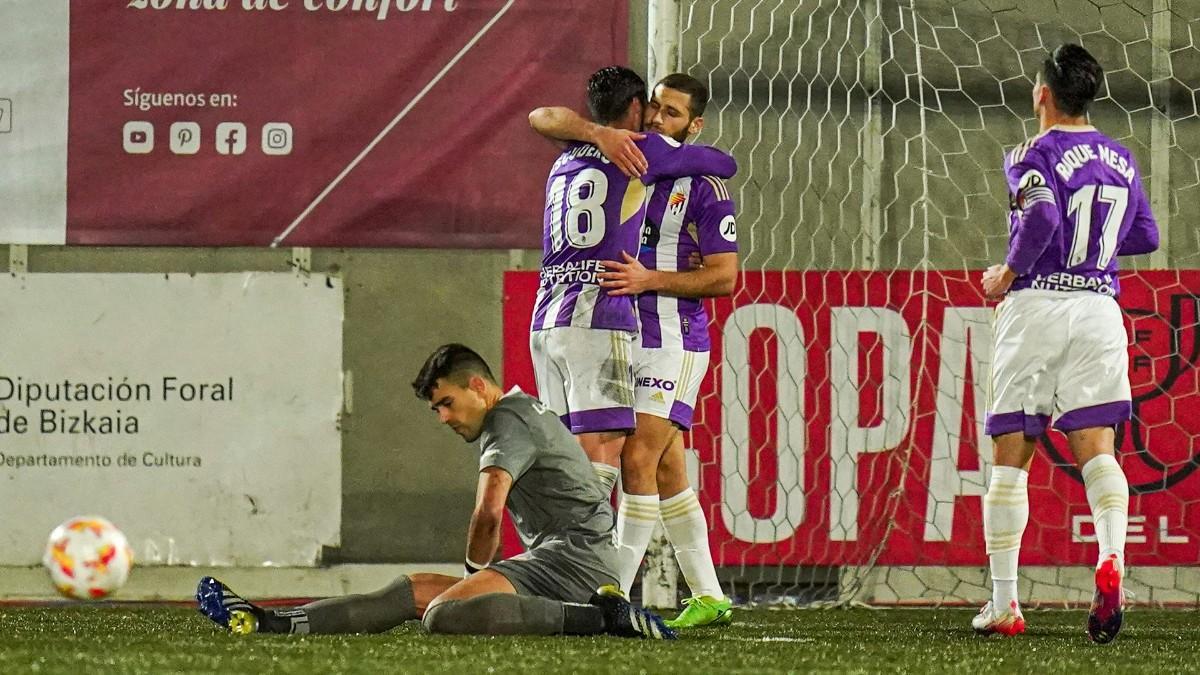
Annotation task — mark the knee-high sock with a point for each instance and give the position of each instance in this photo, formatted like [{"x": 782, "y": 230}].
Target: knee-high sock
[
  {"x": 636, "y": 518},
  {"x": 509, "y": 614},
  {"x": 373, "y": 612},
  {"x": 1005, "y": 515},
  {"x": 607, "y": 475},
  {"x": 1108, "y": 495},
  {"x": 687, "y": 530}
]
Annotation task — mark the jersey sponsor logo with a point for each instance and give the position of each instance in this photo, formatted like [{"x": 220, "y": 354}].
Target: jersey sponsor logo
[
  {"x": 579, "y": 271},
  {"x": 677, "y": 202},
  {"x": 1067, "y": 281},
  {"x": 655, "y": 383},
  {"x": 728, "y": 228}
]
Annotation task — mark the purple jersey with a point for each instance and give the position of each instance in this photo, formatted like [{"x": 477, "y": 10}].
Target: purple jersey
[
  {"x": 1077, "y": 203},
  {"x": 685, "y": 216},
  {"x": 593, "y": 213}
]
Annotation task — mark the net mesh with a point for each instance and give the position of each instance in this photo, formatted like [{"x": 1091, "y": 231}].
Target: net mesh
[{"x": 839, "y": 446}]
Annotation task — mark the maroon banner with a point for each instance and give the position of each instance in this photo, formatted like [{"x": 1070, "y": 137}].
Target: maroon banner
[
  {"x": 845, "y": 409},
  {"x": 322, "y": 122}
]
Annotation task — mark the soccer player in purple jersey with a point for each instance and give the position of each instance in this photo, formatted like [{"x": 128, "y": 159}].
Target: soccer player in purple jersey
[
  {"x": 1060, "y": 343},
  {"x": 687, "y": 216},
  {"x": 581, "y": 337}
]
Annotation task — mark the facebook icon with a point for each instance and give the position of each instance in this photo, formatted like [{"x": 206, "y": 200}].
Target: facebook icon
[{"x": 231, "y": 138}]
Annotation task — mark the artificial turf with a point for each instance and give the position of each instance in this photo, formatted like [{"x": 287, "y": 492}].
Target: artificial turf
[{"x": 165, "y": 639}]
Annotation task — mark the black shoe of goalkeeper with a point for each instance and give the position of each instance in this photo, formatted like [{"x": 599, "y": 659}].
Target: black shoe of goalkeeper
[{"x": 624, "y": 620}]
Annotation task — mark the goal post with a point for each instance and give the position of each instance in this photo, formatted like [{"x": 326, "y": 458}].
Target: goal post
[{"x": 839, "y": 450}]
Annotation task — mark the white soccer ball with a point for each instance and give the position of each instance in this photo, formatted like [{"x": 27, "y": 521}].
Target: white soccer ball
[{"x": 88, "y": 558}]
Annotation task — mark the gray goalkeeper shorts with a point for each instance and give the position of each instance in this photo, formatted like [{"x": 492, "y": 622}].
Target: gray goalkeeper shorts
[{"x": 568, "y": 569}]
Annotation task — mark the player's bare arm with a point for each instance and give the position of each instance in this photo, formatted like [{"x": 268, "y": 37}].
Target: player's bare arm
[
  {"x": 483, "y": 539},
  {"x": 563, "y": 124},
  {"x": 713, "y": 278}
]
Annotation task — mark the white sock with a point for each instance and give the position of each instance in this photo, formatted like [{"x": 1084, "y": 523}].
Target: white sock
[
  {"x": 636, "y": 518},
  {"x": 1108, "y": 495},
  {"x": 1005, "y": 515},
  {"x": 687, "y": 530},
  {"x": 607, "y": 475}
]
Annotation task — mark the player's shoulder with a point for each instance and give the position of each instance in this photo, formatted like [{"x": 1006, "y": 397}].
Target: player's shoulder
[
  {"x": 513, "y": 408},
  {"x": 516, "y": 403},
  {"x": 711, "y": 186},
  {"x": 652, "y": 141},
  {"x": 1029, "y": 149},
  {"x": 1112, "y": 143}
]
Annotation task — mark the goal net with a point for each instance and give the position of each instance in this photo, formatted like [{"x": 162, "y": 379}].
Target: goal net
[{"x": 839, "y": 446}]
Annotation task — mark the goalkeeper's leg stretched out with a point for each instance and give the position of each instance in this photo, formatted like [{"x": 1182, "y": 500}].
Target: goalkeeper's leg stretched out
[{"x": 484, "y": 604}]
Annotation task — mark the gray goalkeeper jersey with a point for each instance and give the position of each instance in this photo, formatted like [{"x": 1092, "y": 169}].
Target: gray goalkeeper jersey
[{"x": 555, "y": 493}]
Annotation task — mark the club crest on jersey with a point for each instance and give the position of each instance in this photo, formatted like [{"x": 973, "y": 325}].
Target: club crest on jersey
[
  {"x": 1160, "y": 446},
  {"x": 676, "y": 203}
]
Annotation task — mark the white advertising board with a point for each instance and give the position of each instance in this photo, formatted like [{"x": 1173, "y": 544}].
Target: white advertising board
[
  {"x": 197, "y": 412},
  {"x": 34, "y": 73}
]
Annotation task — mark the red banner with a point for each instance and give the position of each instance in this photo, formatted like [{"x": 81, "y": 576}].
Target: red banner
[
  {"x": 845, "y": 409},
  {"x": 322, "y": 122}
]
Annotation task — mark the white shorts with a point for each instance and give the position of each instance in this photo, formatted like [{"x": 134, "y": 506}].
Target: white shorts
[
  {"x": 584, "y": 376},
  {"x": 1062, "y": 355},
  {"x": 667, "y": 381}
]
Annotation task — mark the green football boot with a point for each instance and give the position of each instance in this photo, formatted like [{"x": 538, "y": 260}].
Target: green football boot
[{"x": 703, "y": 610}]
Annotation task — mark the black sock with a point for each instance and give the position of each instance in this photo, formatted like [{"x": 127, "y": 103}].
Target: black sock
[
  {"x": 582, "y": 619},
  {"x": 283, "y": 621},
  {"x": 363, "y": 613}
]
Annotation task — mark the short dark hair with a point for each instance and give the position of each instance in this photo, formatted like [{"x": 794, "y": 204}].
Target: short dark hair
[
  {"x": 610, "y": 91},
  {"x": 453, "y": 362},
  {"x": 689, "y": 85},
  {"x": 1074, "y": 76}
]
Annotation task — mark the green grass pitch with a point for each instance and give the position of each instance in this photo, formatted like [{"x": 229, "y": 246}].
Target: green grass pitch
[{"x": 162, "y": 639}]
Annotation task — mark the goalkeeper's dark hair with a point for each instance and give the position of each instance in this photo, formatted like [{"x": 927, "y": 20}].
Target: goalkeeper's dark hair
[
  {"x": 610, "y": 91},
  {"x": 1074, "y": 76},
  {"x": 689, "y": 85},
  {"x": 454, "y": 362}
]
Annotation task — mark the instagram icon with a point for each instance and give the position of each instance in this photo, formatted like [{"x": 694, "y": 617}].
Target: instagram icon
[{"x": 277, "y": 138}]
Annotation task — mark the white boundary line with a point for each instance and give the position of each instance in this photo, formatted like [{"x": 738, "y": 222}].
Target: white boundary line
[{"x": 396, "y": 120}]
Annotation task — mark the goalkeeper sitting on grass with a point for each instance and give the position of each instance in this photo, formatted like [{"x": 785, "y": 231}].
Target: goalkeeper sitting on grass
[{"x": 530, "y": 462}]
